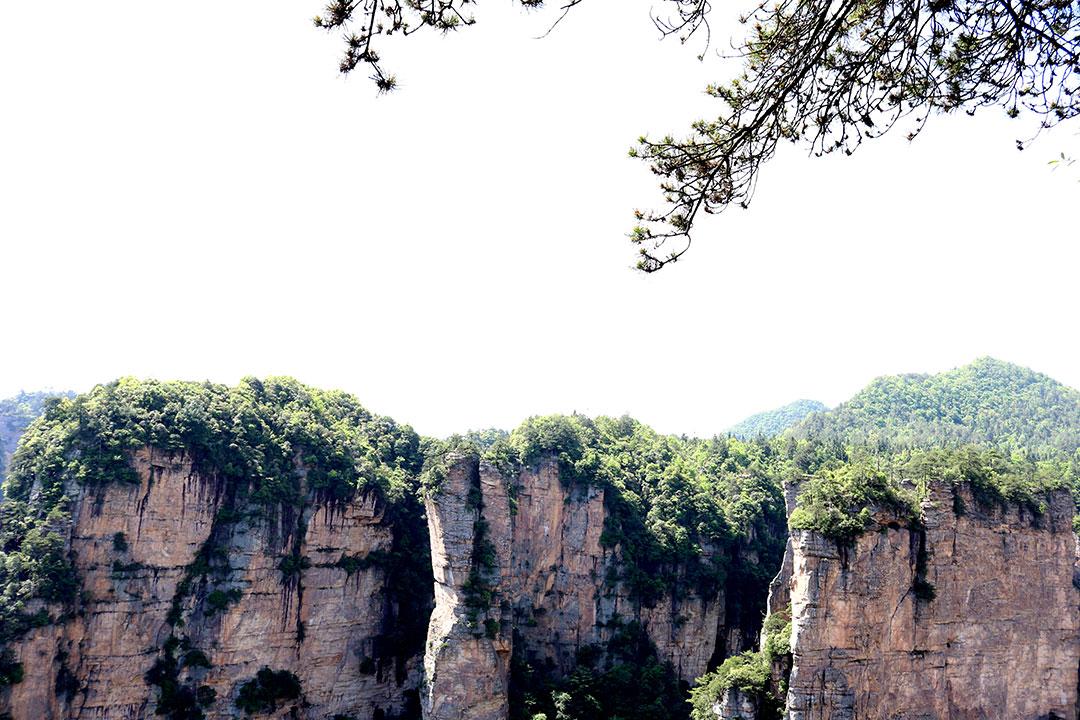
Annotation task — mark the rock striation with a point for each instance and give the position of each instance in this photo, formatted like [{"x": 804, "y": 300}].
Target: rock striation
[
  {"x": 193, "y": 595},
  {"x": 467, "y": 657},
  {"x": 973, "y": 616},
  {"x": 538, "y": 583},
  {"x": 187, "y": 591}
]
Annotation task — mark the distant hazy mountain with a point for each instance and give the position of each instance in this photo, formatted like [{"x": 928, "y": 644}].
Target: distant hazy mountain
[
  {"x": 773, "y": 422},
  {"x": 986, "y": 402},
  {"x": 16, "y": 413}
]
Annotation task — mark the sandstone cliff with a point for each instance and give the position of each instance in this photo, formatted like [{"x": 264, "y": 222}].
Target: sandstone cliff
[
  {"x": 197, "y": 597},
  {"x": 520, "y": 569},
  {"x": 972, "y": 617},
  {"x": 278, "y": 561},
  {"x": 187, "y": 592}
]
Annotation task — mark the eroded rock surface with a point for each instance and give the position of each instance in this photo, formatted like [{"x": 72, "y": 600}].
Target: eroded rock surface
[
  {"x": 973, "y": 615},
  {"x": 467, "y": 659},
  {"x": 134, "y": 547},
  {"x": 551, "y": 589},
  {"x": 999, "y": 640},
  {"x": 736, "y": 705}
]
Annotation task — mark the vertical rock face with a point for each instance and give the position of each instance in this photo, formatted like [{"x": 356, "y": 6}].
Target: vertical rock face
[
  {"x": 142, "y": 553},
  {"x": 467, "y": 659},
  {"x": 1000, "y": 637},
  {"x": 560, "y": 590},
  {"x": 550, "y": 589},
  {"x": 324, "y": 620},
  {"x": 736, "y": 705},
  {"x": 106, "y": 650},
  {"x": 780, "y": 587},
  {"x": 189, "y": 590}
]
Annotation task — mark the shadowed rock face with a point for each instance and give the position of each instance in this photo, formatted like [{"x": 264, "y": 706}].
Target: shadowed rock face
[
  {"x": 323, "y": 624},
  {"x": 999, "y": 640},
  {"x": 736, "y": 705},
  {"x": 549, "y": 592}
]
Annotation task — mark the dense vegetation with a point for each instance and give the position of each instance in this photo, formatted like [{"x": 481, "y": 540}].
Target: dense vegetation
[
  {"x": 271, "y": 445},
  {"x": 685, "y": 515},
  {"x": 671, "y": 498},
  {"x": 29, "y": 405},
  {"x": 1011, "y": 433},
  {"x": 256, "y": 435},
  {"x": 16, "y": 413},
  {"x": 838, "y": 502},
  {"x": 623, "y": 680},
  {"x": 179, "y": 700},
  {"x": 773, "y": 422},
  {"x": 749, "y": 672},
  {"x": 988, "y": 402},
  {"x": 682, "y": 512},
  {"x": 266, "y": 690},
  {"x": 1008, "y": 433}
]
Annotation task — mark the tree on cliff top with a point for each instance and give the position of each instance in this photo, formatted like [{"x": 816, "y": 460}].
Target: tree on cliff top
[{"x": 824, "y": 73}]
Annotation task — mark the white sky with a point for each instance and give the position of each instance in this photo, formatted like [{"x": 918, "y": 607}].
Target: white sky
[{"x": 191, "y": 191}]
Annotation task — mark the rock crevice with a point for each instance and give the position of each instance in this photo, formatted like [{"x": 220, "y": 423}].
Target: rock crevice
[
  {"x": 551, "y": 587},
  {"x": 970, "y": 617},
  {"x": 174, "y": 565}
]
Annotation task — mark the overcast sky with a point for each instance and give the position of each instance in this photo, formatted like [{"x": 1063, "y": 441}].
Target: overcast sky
[{"x": 192, "y": 191}]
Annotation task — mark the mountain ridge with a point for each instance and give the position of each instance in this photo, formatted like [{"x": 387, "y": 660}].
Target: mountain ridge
[
  {"x": 768, "y": 423},
  {"x": 986, "y": 402}
]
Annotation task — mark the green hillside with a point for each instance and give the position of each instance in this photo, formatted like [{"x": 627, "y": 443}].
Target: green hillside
[
  {"x": 773, "y": 422},
  {"x": 16, "y": 414},
  {"x": 988, "y": 402}
]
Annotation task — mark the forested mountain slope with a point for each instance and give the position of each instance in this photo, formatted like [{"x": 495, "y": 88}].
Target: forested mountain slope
[
  {"x": 16, "y": 414},
  {"x": 988, "y": 402},
  {"x": 772, "y": 422}
]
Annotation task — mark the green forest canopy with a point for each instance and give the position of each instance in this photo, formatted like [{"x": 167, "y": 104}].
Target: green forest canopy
[
  {"x": 773, "y": 422},
  {"x": 669, "y": 498},
  {"x": 678, "y": 506},
  {"x": 680, "y": 509},
  {"x": 1012, "y": 433},
  {"x": 988, "y": 402},
  {"x": 16, "y": 413}
]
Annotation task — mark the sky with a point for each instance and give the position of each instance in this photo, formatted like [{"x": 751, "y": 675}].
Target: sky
[{"x": 192, "y": 191}]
